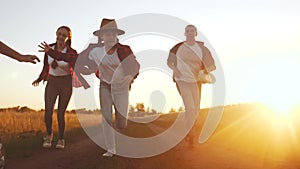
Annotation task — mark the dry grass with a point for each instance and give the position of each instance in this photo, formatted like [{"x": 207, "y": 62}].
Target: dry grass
[{"x": 16, "y": 124}]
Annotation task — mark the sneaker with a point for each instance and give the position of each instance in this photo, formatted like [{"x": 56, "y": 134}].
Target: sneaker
[
  {"x": 48, "y": 141},
  {"x": 108, "y": 154},
  {"x": 190, "y": 140},
  {"x": 2, "y": 157},
  {"x": 60, "y": 144}
]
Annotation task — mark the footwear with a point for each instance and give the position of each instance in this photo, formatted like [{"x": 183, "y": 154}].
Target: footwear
[
  {"x": 2, "y": 157},
  {"x": 60, "y": 144},
  {"x": 48, "y": 141},
  {"x": 107, "y": 154},
  {"x": 1, "y": 154},
  {"x": 190, "y": 139}
]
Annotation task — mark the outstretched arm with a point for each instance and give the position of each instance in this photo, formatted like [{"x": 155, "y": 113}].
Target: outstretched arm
[
  {"x": 67, "y": 57},
  {"x": 8, "y": 51}
]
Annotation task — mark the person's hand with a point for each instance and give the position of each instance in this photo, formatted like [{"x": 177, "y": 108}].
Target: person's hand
[
  {"x": 29, "y": 58},
  {"x": 44, "y": 47},
  {"x": 35, "y": 83}
]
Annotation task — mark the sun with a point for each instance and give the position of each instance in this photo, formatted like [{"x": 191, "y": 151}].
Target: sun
[
  {"x": 275, "y": 84},
  {"x": 281, "y": 108}
]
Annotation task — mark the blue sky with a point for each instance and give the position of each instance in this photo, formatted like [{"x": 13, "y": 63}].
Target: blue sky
[{"x": 257, "y": 42}]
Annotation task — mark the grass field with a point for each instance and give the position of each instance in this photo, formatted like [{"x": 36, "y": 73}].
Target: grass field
[
  {"x": 21, "y": 125},
  {"x": 22, "y": 132},
  {"x": 248, "y": 136}
]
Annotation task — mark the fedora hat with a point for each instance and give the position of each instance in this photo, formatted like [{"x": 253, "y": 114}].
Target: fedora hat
[{"x": 108, "y": 25}]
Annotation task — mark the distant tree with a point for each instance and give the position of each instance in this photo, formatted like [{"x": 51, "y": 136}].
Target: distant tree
[
  {"x": 154, "y": 111},
  {"x": 25, "y": 109},
  {"x": 14, "y": 109},
  {"x": 95, "y": 111},
  {"x": 82, "y": 110},
  {"x": 172, "y": 110},
  {"x": 180, "y": 109},
  {"x": 131, "y": 109},
  {"x": 41, "y": 111},
  {"x": 73, "y": 111},
  {"x": 140, "y": 107}
]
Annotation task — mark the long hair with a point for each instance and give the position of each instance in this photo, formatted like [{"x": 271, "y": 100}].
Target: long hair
[{"x": 69, "y": 40}]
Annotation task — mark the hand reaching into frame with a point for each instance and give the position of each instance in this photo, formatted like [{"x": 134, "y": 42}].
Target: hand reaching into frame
[{"x": 29, "y": 58}]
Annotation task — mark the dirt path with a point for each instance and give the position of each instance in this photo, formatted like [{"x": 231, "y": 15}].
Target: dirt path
[
  {"x": 58, "y": 159},
  {"x": 240, "y": 145},
  {"x": 85, "y": 154}
]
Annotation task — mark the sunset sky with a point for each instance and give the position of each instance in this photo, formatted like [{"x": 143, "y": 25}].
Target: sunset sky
[{"x": 256, "y": 42}]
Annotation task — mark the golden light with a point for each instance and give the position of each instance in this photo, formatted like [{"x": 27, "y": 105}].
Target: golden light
[{"x": 276, "y": 84}]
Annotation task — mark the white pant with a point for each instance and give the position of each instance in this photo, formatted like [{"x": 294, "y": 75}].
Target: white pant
[
  {"x": 119, "y": 98},
  {"x": 190, "y": 93}
]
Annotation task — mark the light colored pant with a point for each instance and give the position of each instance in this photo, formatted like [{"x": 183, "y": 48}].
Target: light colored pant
[
  {"x": 190, "y": 93},
  {"x": 117, "y": 97}
]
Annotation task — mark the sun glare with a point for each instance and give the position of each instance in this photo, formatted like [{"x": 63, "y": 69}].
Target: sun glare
[
  {"x": 283, "y": 109},
  {"x": 276, "y": 85}
]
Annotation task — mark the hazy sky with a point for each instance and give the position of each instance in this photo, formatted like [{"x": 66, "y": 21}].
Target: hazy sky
[{"x": 257, "y": 44}]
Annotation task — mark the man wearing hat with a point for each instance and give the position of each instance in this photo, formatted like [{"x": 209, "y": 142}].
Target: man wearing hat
[{"x": 116, "y": 67}]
